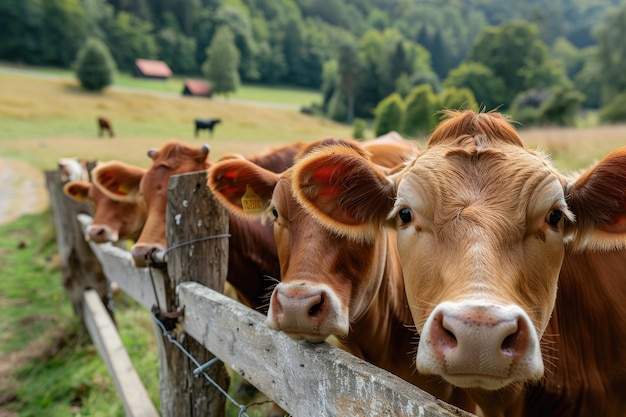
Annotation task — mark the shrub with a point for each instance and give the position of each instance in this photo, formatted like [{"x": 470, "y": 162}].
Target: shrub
[
  {"x": 359, "y": 126},
  {"x": 94, "y": 65},
  {"x": 421, "y": 106},
  {"x": 389, "y": 115},
  {"x": 615, "y": 111}
]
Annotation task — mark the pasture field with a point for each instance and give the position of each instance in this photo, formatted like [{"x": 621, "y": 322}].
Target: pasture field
[{"x": 46, "y": 366}]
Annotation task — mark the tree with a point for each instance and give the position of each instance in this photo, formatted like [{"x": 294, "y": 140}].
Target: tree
[
  {"x": 515, "y": 54},
  {"x": 611, "y": 53},
  {"x": 131, "y": 38},
  {"x": 64, "y": 31},
  {"x": 489, "y": 90},
  {"x": 94, "y": 65},
  {"x": 222, "y": 62},
  {"x": 421, "y": 107},
  {"x": 348, "y": 69},
  {"x": 457, "y": 98},
  {"x": 389, "y": 115}
]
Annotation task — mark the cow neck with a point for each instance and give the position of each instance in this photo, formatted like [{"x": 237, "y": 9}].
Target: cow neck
[
  {"x": 387, "y": 319},
  {"x": 253, "y": 267}
]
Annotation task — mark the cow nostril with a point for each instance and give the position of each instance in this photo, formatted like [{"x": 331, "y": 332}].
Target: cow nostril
[
  {"x": 316, "y": 308},
  {"x": 513, "y": 342}
]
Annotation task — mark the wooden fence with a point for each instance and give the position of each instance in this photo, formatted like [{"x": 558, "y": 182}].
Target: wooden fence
[{"x": 304, "y": 379}]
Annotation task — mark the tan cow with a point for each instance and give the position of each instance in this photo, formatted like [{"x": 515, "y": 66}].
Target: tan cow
[
  {"x": 113, "y": 220},
  {"x": 252, "y": 262},
  {"x": 484, "y": 225},
  {"x": 330, "y": 284}
]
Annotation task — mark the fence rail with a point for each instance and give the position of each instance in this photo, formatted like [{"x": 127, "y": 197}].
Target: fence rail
[{"x": 304, "y": 379}]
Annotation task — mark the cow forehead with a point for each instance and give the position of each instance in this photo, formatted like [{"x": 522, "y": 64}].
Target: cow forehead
[{"x": 508, "y": 185}]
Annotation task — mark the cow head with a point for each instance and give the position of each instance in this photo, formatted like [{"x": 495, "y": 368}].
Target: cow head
[
  {"x": 327, "y": 281},
  {"x": 113, "y": 220},
  {"x": 172, "y": 158},
  {"x": 482, "y": 225}
]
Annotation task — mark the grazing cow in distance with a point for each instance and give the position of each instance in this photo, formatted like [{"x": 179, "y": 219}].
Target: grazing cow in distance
[
  {"x": 73, "y": 169},
  {"x": 105, "y": 125},
  {"x": 113, "y": 220},
  {"x": 486, "y": 230},
  {"x": 208, "y": 124},
  {"x": 331, "y": 284}
]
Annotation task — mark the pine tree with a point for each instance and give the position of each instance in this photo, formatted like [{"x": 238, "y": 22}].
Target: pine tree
[
  {"x": 94, "y": 65},
  {"x": 221, "y": 66}
]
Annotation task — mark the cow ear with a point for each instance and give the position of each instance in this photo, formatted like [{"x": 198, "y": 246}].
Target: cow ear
[
  {"x": 345, "y": 191},
  {"x": 244, "y": 188},
  {"x": 117, "y": 180},
  {"x": 598, "y": 199},
  {"x": 77, "y": 190}
]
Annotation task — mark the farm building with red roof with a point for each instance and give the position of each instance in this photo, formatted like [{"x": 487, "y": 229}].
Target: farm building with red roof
[
  {"x": 149, "y": 68},
  {"x": 197, "y": 88}
]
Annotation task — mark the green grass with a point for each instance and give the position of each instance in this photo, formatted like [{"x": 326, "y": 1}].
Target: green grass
[{"x": 57, "y": 370}]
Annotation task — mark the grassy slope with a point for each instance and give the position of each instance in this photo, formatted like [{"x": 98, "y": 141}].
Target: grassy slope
[{"x": 52, "y": 371}]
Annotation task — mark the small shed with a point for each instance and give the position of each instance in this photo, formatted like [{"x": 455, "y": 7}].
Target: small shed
[
  {"x": 199, "y": 88},
  {"x": 150, "y": 68}
]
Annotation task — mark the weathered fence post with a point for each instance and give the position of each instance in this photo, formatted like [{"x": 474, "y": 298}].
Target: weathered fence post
[
  {"x": 192, "y": 213},
  {"x": 80, "y": 268}
]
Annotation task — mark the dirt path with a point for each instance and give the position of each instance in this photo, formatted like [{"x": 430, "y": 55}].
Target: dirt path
[{"x": 22, "y": 190}]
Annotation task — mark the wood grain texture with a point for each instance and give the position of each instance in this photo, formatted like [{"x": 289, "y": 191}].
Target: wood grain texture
[{"x": 303, "y": 378}]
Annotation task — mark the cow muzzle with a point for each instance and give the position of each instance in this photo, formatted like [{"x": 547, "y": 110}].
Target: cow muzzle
[
  {"x": 306, "y": 311},
  {"x": 479, "y": 345}
]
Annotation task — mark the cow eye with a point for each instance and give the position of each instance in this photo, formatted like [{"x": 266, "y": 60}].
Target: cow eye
[
  {"x": 405, "y": 215},
  {"x": 554, "y": 217},
  {"x": 274, "y": 212}
]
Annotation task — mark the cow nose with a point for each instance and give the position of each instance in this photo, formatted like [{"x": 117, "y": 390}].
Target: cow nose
[
  {"x": 304, "y": 311},
  {"x": 100, "y": 234},
  {"x": 487, "y": 345},
  {"x": 498, "y": 337}
]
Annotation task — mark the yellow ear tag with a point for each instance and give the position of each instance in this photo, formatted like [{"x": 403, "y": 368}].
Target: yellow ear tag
[{"x": 251, "y": 201}]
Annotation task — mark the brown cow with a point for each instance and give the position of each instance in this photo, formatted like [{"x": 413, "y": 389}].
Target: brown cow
[
  {"x": 105, "y": 125},
  {"x": 113, "y": 220},
  {"x": 330, "y": 284},
  {"x": 252, "y": 262},
  {"x": 486, "y": 229}
]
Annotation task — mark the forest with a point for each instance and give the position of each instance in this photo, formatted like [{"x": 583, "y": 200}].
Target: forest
[{"x": 395, "y": 61}]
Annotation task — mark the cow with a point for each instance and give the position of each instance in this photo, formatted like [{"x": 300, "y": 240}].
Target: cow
[
  {"x": 105, "y": 125},
  {"x": 73, "y": 169},
  {"x": 252, "y": 262},
  {"x": 208, "y": 124},
  {"x": 514, "y": 272},
  {"x": 113, "y": 220},
  {"x": 330, "y": 284},
  {"x": 248, "y": 271}
]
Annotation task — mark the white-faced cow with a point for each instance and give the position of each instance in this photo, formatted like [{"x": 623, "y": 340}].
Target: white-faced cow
[
  {"x": 73, "y": 169},
  {"x": 114, "y": 218},
  {"x": 487, "y": 231},
  {"x": 331, "y": 284}
]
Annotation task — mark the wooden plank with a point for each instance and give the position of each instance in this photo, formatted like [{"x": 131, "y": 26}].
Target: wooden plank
[
  {"x": 192, "y": 214},
  {"x": 133, "y": 394},
  {"x": 79, "y": 267},
  {"x": 303, "y": 378},
  {"x": 118, "y": 266}
]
